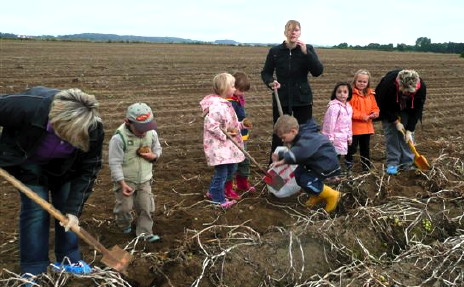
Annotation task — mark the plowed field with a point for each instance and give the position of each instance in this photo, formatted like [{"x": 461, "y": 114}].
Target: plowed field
[{"x": 405, "y": 230}]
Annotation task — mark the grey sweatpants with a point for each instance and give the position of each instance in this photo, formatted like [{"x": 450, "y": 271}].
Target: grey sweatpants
[
  {"x": 398, "y": 152},
  {"x": 142, "y": 201}
]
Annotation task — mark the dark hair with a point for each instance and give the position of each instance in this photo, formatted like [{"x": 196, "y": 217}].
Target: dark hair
[
  {"x": 242, "y": 82},
  {"x": 339, "y": 84}
]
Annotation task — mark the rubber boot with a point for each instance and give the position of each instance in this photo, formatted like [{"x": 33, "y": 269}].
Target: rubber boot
[
  {"x": 331, "y": 197},
  {"x": 229, "y": 191},
  {"x": 313, "y": 200},
  {"x": 243, "y": 184}
]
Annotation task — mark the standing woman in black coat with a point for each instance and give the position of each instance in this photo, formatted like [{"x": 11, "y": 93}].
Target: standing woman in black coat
[{"x": 286, "y": 69}]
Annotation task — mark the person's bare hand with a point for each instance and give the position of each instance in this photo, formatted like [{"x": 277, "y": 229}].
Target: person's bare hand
[
  {"x": 275, "y": 85},
  {"x": 247, "y": 123},
  {"x": 126, "y": 189},
  {"x": 278, "y": 163},
  {"x": 232, "y": 131},
  {"x": 302, "y": 46},
  {"x": 274, "y": 157},
  {"x": 149, "y": 156}
]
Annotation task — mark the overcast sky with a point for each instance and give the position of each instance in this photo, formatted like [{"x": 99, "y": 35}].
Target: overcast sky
[{"x": 324, "y": 22}]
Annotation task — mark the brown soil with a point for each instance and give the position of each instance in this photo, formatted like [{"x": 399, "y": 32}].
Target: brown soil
[{"x": 378, "y": 236}]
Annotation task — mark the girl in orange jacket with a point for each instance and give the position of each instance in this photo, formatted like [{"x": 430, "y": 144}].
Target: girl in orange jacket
[{"x": 365, "y": 109}]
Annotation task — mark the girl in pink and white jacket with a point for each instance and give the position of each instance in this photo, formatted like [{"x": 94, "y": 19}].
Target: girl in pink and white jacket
[
  {"x": 337, "y": 119},
  {"x": 221, "y": 152}
]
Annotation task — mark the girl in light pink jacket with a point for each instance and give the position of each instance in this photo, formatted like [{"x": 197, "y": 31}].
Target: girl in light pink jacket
[
  {"x": 221, "y": 152},
  {"x": 337, "y": 119}
]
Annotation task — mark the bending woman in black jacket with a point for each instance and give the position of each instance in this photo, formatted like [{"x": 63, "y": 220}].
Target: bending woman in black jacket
[
  {"x": 52, "y": 142},
  {"x": 291, "y": 62}
]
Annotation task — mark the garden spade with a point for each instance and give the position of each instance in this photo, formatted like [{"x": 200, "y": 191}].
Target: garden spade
[
  {"x": 419, "y": 160},
  {"x": 116, "y": 258},
  {"x": 271, "y": 178}
]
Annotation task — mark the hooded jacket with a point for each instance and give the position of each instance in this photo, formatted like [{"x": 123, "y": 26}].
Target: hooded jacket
[
  {"x": 313, "y": 151},
  {"x": 218, "y": 113},
  {"x": 291, "y": 70},
  {"x": 24, "y": 120},
  {"x": 363, "y": 105},
  {"x": 388, "y": 99},
  {"x": 337, "y": 125}
]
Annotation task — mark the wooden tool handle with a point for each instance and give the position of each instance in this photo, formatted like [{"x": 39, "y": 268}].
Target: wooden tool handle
[
  {"x": 244, "y": 151},
  {"x": 413, "y": 149},
  {"x": 53, "y": 211},
  {"x": 279, "y": 106}
]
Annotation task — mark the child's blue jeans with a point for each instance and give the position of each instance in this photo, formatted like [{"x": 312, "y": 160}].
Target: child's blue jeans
[{"x": 216, "y": 188}]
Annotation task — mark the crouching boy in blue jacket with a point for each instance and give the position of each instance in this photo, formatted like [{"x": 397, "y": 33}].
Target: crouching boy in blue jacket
[{"x": 316, "y": 158}]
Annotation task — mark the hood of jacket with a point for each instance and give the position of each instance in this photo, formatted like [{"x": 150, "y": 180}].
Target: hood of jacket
[
  {"x": 210, "y": 100},
  {"x": 336, "y": 102},
  {"x": 310, "y": 126}
]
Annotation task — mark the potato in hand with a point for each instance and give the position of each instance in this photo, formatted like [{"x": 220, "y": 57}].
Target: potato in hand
[
  {"x": 143, "y": 149},
  {"x": 232, "y": 131},
  {"x": 247, "y": 123}
]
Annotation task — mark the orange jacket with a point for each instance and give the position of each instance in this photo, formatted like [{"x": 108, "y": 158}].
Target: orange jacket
[{"x": 363, "y": 106}]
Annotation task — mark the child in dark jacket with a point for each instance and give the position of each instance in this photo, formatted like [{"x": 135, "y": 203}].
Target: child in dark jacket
[
  {"x": 316, "y": 158},
  {"x": 242, "y": 85}
]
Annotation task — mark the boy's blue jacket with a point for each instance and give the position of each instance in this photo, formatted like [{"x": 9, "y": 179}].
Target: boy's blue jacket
[{"x": 313, "y": 151}]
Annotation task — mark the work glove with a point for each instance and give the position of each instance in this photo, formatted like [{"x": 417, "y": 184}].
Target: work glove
[
  {"x": 399, "y": 126},
  {"x": 72, "y": 221},
  {"x": 408, "y": 137}
]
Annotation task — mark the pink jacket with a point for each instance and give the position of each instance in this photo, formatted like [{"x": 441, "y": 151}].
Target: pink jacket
[
  {"x": 219, "y": 113},
  {"x": 337, "y": 125}
]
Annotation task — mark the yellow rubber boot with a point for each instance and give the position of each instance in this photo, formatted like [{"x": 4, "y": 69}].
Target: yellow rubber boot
[
  {"x": 313, "y": 200},
  {"x": 331, "y": 197}
]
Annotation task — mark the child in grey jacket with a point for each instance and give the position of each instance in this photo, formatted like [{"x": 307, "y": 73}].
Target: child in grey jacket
[{"x": 132, "y": 151}]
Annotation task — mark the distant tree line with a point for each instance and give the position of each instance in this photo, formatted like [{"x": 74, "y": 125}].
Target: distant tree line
[{"x": 423, "y": 44}]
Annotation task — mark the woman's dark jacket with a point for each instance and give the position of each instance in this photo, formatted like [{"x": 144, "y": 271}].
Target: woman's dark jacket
[
  {"x": 24, "y": 120},
  {"x": 387, "y": 96},
  {"x": 291, "y": 69}
]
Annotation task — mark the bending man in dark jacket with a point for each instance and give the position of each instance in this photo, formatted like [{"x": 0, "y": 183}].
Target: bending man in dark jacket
[
  {"x": 400, "y": 96},
  {"x": 291, "y": 61},
  {"x": 52, "y": 142},
  {"x": 316, "y": 158}
]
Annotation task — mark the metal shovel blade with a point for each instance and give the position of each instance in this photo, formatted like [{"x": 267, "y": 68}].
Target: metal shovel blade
[
  {"x": 419, "y": 160},
  {"x": 274, "y": 180},
  {"x": 117, "y": 259}
]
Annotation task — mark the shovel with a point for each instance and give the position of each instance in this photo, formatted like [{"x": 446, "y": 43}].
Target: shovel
[
  {"x": 116, "y": 258},
  {"x": 271, "y": 178},
  {"x": 419, "y": 160}
]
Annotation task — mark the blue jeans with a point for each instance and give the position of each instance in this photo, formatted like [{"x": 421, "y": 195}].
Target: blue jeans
[
  {"x": 34, "y": 225},
  {"x": 308, "y": 181},
  {"x": 216, "y": 188}
]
